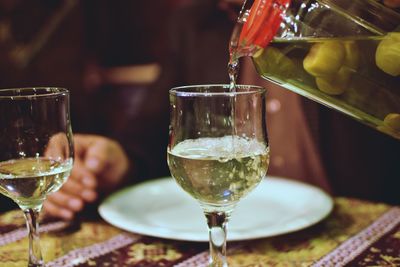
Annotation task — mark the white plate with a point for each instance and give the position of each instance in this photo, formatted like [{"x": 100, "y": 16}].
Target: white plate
[{"x": 161, "y": 208}]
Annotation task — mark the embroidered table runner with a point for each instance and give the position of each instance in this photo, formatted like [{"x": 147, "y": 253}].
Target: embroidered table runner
[{"x": 357, "y": 233}]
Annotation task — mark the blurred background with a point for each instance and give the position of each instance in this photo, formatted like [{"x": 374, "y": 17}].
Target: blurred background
[
  {"x": 107, "y": 53},
  {"x": 117, "y": 58}
]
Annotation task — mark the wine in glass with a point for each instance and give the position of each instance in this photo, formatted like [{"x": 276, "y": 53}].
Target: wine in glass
[
  {"x": 36, "y": 151},
  {"x": 218, "y": 150}
]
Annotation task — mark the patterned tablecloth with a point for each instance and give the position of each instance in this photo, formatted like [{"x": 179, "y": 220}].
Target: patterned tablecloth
[{"x": 357, "y": 233}]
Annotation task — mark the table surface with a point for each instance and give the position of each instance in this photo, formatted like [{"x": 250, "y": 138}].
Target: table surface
[{"x": 356, "y": 233}]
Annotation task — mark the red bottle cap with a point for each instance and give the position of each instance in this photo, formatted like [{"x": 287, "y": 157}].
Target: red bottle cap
[{"x": 263, "y": 22}]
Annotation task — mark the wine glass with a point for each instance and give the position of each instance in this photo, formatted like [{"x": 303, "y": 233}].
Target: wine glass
[
  {"x": 36, "y": 151},
  {"x": 218, "y": 150}
]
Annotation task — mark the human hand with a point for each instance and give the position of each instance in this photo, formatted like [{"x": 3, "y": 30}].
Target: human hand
[{"x": 99, "y": 167}]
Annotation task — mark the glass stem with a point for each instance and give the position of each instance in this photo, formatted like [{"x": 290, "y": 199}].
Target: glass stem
[
  {"x": 35, "y": 254},
  {"x": 217, "y": 222}
]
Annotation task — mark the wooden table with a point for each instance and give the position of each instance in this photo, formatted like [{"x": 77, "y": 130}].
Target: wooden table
[{"x": 357, "y": 233}]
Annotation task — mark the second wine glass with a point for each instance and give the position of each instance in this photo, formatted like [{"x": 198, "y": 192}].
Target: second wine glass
[{"x": 218, "y": 150}]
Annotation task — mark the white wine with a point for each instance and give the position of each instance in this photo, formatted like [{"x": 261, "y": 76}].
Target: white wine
[
  {"x": 218, "y": 171},
  {"x": 27, "y": 181}
]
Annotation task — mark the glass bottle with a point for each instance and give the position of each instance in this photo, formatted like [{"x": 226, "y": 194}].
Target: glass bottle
[{"x": 343, "y": 54}]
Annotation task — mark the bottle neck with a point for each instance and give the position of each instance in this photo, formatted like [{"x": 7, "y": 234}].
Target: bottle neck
[{"x": 257, "y": 25}]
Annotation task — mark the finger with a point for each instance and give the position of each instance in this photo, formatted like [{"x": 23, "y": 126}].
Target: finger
[
  {"x": 81, "y": 143},
  {"x": 97, "y": 155},
  {"x": 79, "y": 190},
  {"x": 93, "y": 150},
  {"x": 98, "y": 152},
  {"x": 57, "y": 147},
  {"x": 80, "y": 174},
  {"x": 111, "y": 155},
  {"x": 73, "y": 187},
  {"x": 103, "y": 158},
  {"x": 56, "y": 211},
  {"x": 66, "y": 201},
  {"x": 89, "y": 195}
]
